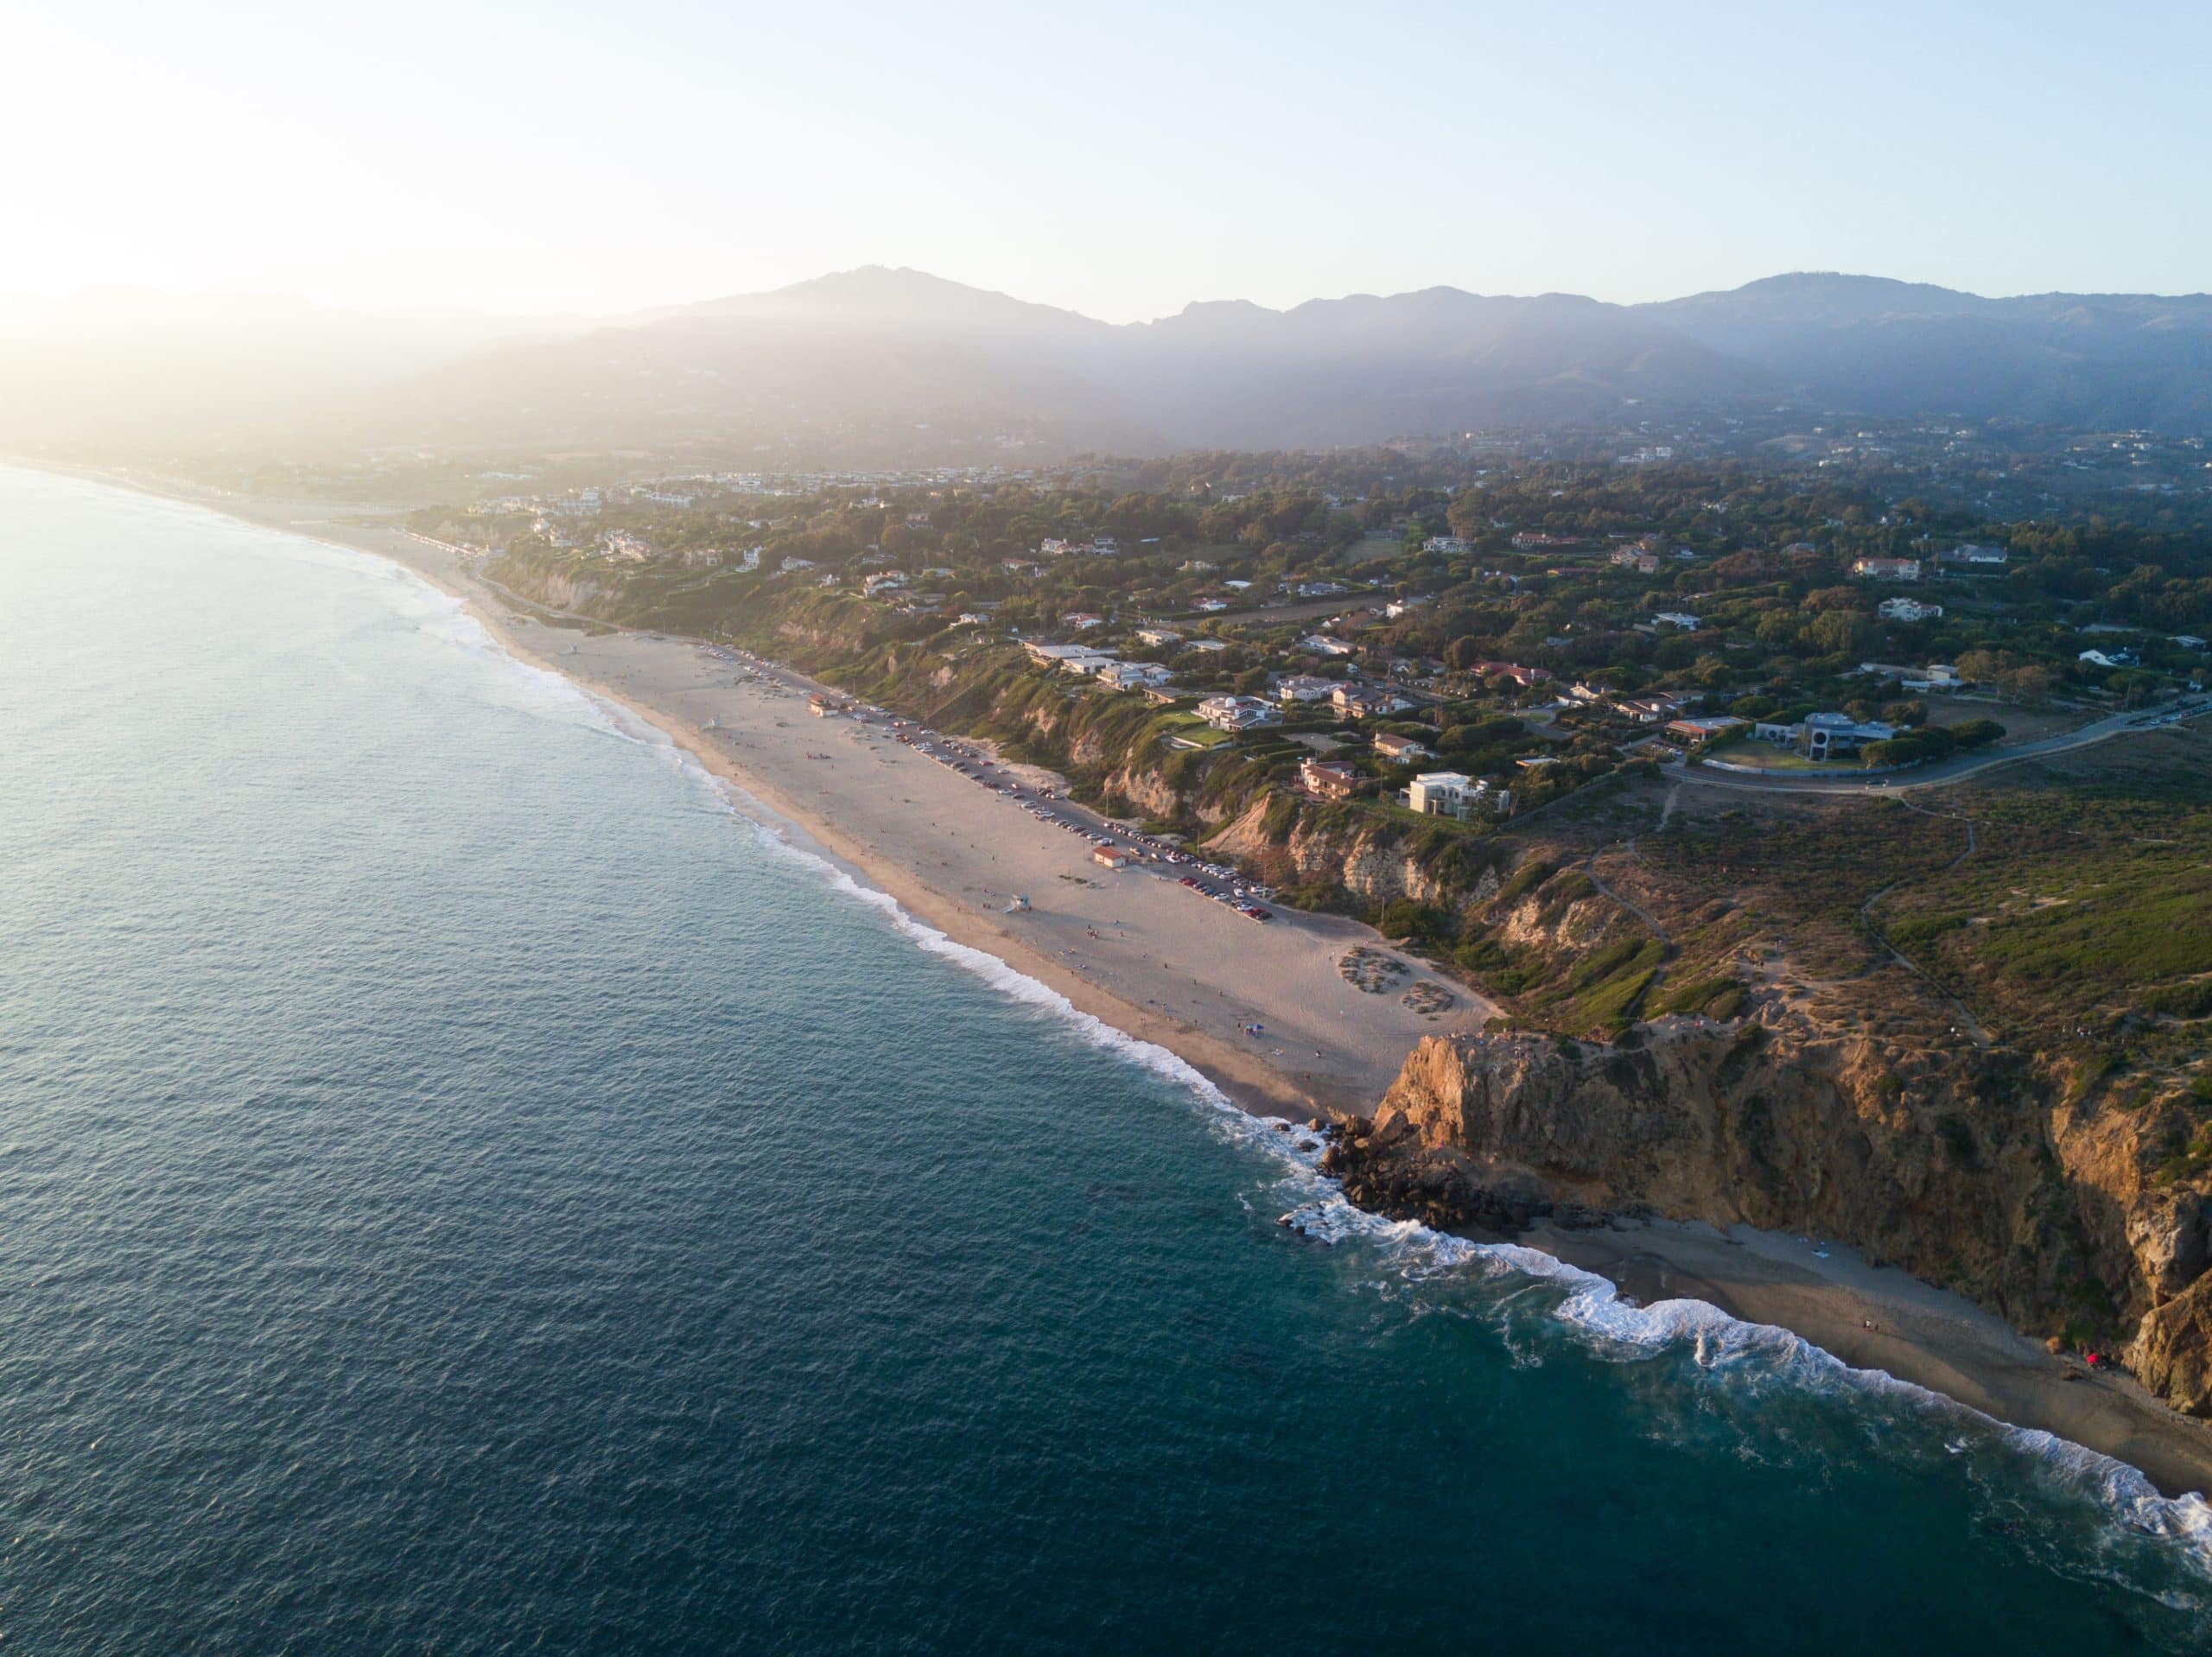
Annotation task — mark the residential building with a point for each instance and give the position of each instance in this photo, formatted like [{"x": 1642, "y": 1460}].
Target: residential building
[
  {"x": 1325, "y": 646},
  {"x": 1212, "y": 607},
  {"x": 1362, "y": 701},
  {"x": 1080, "y": 619},
  {"x": 1523, "y": 677},
  {"x": 1236, "y": 712},
  {"x": 882, "y": 580},
  {"x": 1886, "y": 569},
  {"x": 1454, "y": 794},
  {"x": 1652, "y": 710},
  {"x": 1907, "y": 610},
  {"x": 1157, "y": 636},
  {"x": 1328, "y": 779},
  {"x": 1405, "y": 607},
  {"x": 1695, "y": 732},
  {"x": 1059, "y": 655},
  {"x": 1132, "y": 676},
  {"x": 1447, "y": 544},
  {"x": 1822, "y": 736},
  {"x": 1303, "y": 687},
  {"x": 2109, "y": 658},
  {"x": 1206, "y": 646},
  {"x": 1682, "y": 619},
  {"x": 1398, "y": 750},
  {"x": 1975, "y": 556}
]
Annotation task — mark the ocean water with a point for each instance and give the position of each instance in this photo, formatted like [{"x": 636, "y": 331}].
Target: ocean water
[{"x": 464, "y": 1187}]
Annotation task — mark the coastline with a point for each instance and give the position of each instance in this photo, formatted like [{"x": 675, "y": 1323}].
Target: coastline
[{"x": 1918, "y": 1334}]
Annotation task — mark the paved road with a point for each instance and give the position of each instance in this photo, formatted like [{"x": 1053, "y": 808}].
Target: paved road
[{"x": 1953, "y": 771}]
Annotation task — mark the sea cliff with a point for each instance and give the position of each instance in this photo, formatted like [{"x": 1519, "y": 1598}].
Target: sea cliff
[{"x": 1960, "y": 1166}]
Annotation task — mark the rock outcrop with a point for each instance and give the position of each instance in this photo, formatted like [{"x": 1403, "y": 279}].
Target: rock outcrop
[{"x": 1958, "y": 1166}]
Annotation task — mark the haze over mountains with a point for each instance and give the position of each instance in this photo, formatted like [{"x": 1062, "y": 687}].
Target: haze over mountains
[{"x": 897, "y": 365}]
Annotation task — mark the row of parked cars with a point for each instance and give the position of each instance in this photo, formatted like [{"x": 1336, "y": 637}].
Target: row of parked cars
[{"x": 1214, "y": 880}]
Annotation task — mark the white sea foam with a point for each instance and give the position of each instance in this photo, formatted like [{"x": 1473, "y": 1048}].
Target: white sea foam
[{"x": 1592, "y": 1305}]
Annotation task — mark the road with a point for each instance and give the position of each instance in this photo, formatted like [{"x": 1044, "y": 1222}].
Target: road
[{"x": 1954, "y": 770}]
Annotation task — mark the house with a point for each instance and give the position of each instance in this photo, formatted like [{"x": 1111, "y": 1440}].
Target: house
[
  {"x": 1652, "y": 710},
  {"x": 1640, "y": 559},
  {"x": 1399, "y": 749},
  {"x": 1052, "y": 656},
  {"x": 1682, "y": 619},
  {"x": 2189, "y": 641},
  {"x": 1324, "y": 645},
  {"x": 1936, "y": 676},
  {"x": 1319, "y": 589},
  {"x": 1359, "y": 701},
  {"x": 1157, "y": 637},
  {"x": 1111, "y": 857},
  {"x": 1328, "y": 779},
  {"x": 1534, "y": 541},
  {"x": 1303, "y": 686},
  {"x": 1704, "y": 728},
  {"x": 1907, "y": 610},
  {"x": 1587, "y": 695},
  {"x": 1160, "y": 694},
  {"x": 1447, "y": 544},
  {"x": 1207, "y": 646},
  {"x": 1886, "y": 569},
  {"x": 1235, "y": 712},
  {"x": 1019, "y": 566},
  {"x": 1454, "y": 794},
  {"x": 1080, "y": 619},
  {"x": 1196, "y": 567},
  {"x": 1212, "y": 607},
  {"x": 1979, "y": 557},
  {"x": 1132, "y": 676},
  {"x": 1820, "y": 736},
  {"x": 1405, "y": 607},
  {"x": 882, "y": 581},
  {"x": 2109, "y": 658},
  {"x": 1523, "y": 677}
]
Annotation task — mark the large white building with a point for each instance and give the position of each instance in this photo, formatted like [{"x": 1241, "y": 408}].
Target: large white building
[
  {"x": 1454, "y": 794},
  {"x": 1236, "y": 712}
]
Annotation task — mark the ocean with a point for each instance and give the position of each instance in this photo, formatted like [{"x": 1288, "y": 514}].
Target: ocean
[{"x": 465, "y": 1186}]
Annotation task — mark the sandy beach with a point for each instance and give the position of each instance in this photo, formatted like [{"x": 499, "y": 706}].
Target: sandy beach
[{"x": 1150, "y": 957}]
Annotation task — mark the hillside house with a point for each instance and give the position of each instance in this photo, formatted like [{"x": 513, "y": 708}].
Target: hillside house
[{"x": 1328, "y": 779}]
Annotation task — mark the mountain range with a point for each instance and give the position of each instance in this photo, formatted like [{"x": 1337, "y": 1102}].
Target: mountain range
[{"x": 897, "y": 365}]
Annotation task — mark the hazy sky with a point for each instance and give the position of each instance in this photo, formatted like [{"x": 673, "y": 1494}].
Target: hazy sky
[{"x": 1120, "y": 159}]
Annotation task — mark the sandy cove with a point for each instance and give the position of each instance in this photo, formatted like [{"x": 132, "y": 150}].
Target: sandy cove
[{"x": 1170, "y": 967}]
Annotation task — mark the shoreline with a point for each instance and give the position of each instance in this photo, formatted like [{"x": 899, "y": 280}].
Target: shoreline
[{"x": 1877, "y": 1320}]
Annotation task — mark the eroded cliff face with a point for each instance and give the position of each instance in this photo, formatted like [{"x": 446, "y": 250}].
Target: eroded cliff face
[
  {"x": 1959, "y": 1166},
  {"x": 1375, "y": 863}
]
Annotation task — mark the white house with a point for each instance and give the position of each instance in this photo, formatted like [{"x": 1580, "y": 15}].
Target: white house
[
  {"x": 1157, "y": 636},
  {"x": 1060, "y": 655},
  {"x": 1235, "y": 712},
  {"x": 1682, "y": 619},
  {"x": 1886, "y": 569},
  {"x": 1324, "y": 645},
  {"x": 1303, "y": 687},
  {"x": 1132, "y": 676},
  {"x": 1454, "y": 794},
  {"x": 1907, "y": 610}
]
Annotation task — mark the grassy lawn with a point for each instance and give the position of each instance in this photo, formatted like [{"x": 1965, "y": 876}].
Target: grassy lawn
[{"x": 1750, "y": 751}]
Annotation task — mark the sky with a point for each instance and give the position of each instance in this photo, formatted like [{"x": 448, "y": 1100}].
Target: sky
[{"x": 1121, "y": 161}]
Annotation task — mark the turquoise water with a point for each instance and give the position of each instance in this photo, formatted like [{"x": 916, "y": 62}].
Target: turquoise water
[{"x": 463, "y": 1188}]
